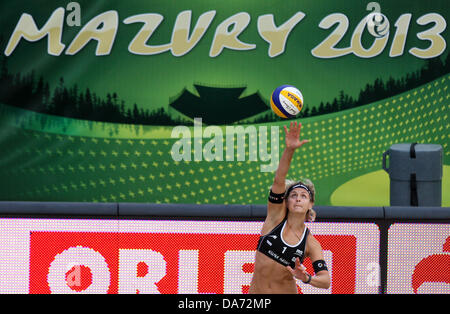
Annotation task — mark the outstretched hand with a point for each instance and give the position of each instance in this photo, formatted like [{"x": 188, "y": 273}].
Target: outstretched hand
[
  {"x": 299, "y": 271},
  {"x": 293, "y": 136}
]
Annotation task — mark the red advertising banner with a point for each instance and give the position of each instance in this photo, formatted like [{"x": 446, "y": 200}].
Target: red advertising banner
[
  {"x": 419, "y": 258},
  {"x": 155, "y": 256}
]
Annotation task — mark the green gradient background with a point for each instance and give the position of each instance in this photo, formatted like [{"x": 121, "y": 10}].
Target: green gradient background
[
  {"x": 151, "y": 80},
  {"x": 74, "y": 160}
]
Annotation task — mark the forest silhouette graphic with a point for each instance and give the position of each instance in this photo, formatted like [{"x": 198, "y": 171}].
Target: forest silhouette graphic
[{"x": 26, "y": 91}]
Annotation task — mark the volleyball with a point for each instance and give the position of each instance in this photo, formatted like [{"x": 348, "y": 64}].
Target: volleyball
[{"x": 286, "y": 101}]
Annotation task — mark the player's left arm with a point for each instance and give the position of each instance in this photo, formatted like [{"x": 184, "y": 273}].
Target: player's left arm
[{"x": 321, "y": 278}]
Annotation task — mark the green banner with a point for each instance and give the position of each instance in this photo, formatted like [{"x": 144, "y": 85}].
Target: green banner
[{"x": 168, "y": 102}]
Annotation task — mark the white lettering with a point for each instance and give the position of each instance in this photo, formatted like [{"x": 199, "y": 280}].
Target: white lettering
[
  {"x": 234, "y": 276},
  {"x": 129, "y": 282},
  {"x": 75, "y": 257}
]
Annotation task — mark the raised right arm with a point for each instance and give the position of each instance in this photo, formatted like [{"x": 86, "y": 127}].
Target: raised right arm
[
  {"x": 279, "y": 181},
  {"x": 292, "y": 138}
]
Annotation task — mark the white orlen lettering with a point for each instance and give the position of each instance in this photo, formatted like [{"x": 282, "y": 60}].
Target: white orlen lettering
[
  {"x": 234, "y": 276},
  {"x": 77, "y": 256},
  {"x": 188, "y": 271},
  {"x": 129, "y": 282}
]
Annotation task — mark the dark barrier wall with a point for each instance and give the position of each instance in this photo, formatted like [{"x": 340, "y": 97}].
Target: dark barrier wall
[
  {"x": 168, "y": 248},
  {"x": 213, "y": 210}
]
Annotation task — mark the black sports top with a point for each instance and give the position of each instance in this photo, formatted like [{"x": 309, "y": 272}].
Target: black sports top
[{"x": 273, "y": 245}]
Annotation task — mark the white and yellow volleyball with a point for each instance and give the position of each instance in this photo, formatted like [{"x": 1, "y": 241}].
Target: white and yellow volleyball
[{"x": 286, "y": 101}]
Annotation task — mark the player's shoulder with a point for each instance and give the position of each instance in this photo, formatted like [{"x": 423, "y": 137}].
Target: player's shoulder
[
  {"x": 313, "y": 248},
  {"x": 312, "y": 242},
  {"x": 270, "y": 223}
]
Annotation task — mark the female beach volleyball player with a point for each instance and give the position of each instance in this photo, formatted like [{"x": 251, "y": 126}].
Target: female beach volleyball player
[{"x": 285, "y": 241}]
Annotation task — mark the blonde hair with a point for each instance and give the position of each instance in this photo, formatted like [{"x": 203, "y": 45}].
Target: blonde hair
[{"x": 311, "y": 213}]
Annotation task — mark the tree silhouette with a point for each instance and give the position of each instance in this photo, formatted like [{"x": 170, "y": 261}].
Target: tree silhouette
[
  {"x": 23, "y": 90},
  {"x": 447, "y": 64}
]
